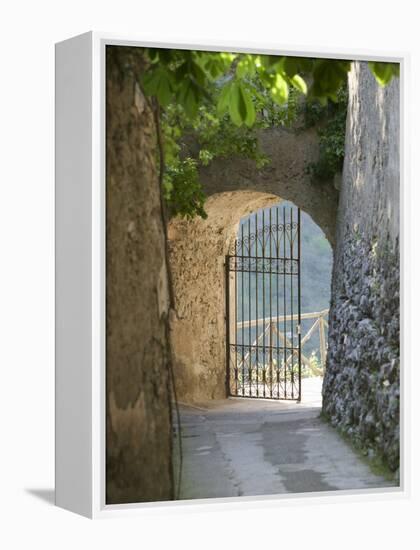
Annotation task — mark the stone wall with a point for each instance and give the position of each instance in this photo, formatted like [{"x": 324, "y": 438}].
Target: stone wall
[
  {"x": 361, "y": 387},
  {"x": 138, "y": 412}
]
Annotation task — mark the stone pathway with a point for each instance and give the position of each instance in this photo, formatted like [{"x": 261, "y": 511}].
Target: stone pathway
[{"x": 241, "y": 447}]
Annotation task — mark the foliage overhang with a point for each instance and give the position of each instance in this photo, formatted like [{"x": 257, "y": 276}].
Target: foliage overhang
[{"x": 221, "y": 99}]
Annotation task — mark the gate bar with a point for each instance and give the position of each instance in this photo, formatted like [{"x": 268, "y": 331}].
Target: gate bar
[
  {"x": 242, "y": 316},
  {"x": 299, "y": 315},
  {"x": 263, "y": 290},
  {"x": 277, "y": 306},
  {"x": 249, "y": 308},
  {"x": 256, "y": 302},
  {"x": 270, "y": 341},
  {"x": 227, "y": 318},
  {"x": 291, "y": 301},
  {"x": 284, "y": 305}
]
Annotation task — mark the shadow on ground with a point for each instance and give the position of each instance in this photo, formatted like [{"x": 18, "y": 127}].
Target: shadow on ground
[{"x": 47, "y": 495}]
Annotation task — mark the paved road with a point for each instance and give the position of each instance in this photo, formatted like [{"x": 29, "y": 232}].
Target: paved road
[{"x": 237, "y": 447}]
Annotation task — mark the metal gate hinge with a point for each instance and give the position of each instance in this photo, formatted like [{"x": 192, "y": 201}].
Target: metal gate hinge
[{"x": 297, "y": 329}]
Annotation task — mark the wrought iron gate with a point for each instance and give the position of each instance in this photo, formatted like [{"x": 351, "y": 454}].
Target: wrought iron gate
[{"x": 263, "y": 307}]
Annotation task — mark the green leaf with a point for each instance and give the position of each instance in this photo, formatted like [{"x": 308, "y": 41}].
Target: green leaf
[
  {"x": 215, "y": 67},
  {"x": 329, "y": 75},
  {"x": 249, "y": 106},
  {"x": 152, "y": 54},
  {"x": 160, "y": 83},
  {"x": 396, "y": 69},
  {"x": 199, "y": 74},
  {"x": 223, "y": 101},
  {"x": 296, "y": 65},
  {"x": 291, "y": 65},
  {"x": 300, "y": 85},
  {"x": 279, "y": 89},
  {"x": 214, "y": 64},
  {"x": 384, "y": 72},
  {"x": 237, "y": 107},
  {"x": 241, "y": 102},
  {"x": 182, "y": 71},
  {"x": 166, "y": 55},
  {"x": 188, "y": 96},
  {"x": 241, "y": 107},
  {"x": 267, "y": 61}
]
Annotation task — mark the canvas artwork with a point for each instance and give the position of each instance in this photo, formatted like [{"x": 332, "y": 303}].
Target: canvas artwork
[{"x": 252, "y": 275}]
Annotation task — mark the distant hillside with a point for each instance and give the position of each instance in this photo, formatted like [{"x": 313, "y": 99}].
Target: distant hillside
[{"x": 316, "y": 254}]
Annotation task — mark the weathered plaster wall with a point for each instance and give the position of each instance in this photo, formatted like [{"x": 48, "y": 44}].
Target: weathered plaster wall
[
  {"x": 138, "y": 417},
  {"x": 291, "y": 151},
  {"x": 361, "y": 386},
  {"x": 197, "y": 254}
]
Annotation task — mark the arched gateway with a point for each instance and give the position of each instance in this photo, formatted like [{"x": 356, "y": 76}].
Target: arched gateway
[
  {"x": 263, "y": 306},
  {"x": 199, "y": 250}
]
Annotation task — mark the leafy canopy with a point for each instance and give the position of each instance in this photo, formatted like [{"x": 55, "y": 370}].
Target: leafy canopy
[
  {"x": 221, "y": 98},
  {"x": 331, "y": 127}
]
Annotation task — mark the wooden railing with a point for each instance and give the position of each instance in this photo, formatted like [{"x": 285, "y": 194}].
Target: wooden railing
[{"x": 272, "y": 325}]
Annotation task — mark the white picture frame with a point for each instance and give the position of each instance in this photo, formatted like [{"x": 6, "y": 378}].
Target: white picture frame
[{"x": 81, "y": 277}]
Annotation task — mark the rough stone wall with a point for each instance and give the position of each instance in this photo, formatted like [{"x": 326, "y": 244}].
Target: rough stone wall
[
  {"x": 197, "y": 255},
  {"x": 361, "y": 385},
  {"x": 138, "y": 417}
]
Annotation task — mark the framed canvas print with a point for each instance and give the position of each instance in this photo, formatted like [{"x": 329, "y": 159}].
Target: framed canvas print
[{"x": 228, "y": 268}]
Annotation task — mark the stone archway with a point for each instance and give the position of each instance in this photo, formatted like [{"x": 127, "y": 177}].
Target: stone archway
[
  {"x": 291, "y": 152},
  {"x": 234, "y": 187},
  {"x": 197, "y": 253}
]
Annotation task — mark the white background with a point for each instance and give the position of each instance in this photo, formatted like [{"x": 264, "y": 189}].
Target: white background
[{"x": 29, "y": 30}]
